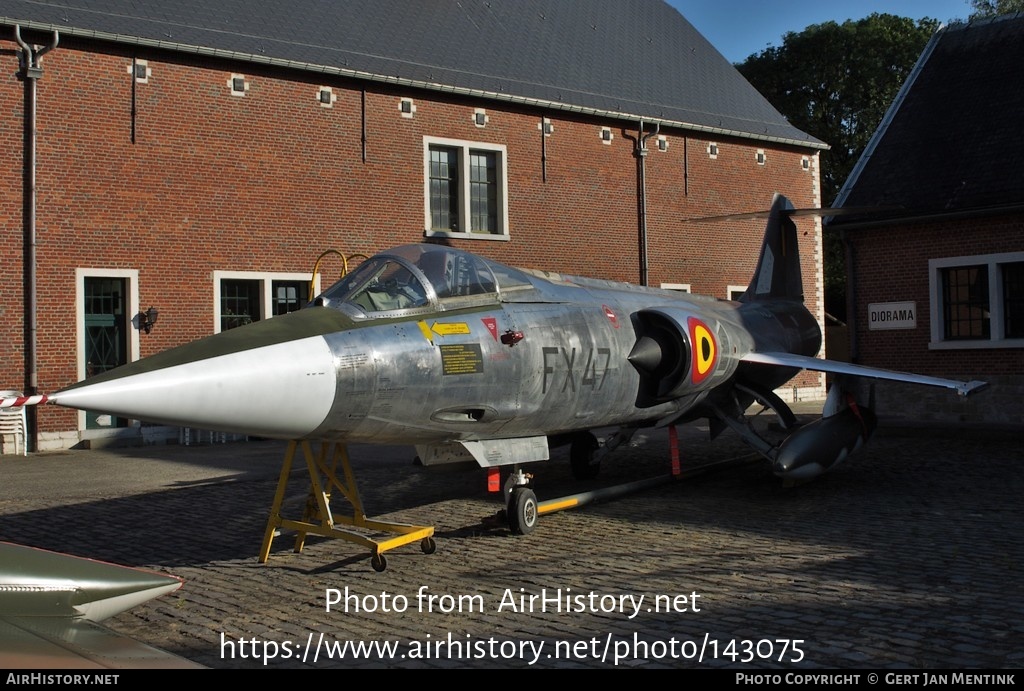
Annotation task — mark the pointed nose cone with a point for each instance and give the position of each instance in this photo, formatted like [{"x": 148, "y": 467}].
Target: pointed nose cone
[
  {"x": 35, "y": 582},
  {"x": 274, "y": 378}
]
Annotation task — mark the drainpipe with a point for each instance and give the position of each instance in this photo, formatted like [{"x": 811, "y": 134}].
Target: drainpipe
[
  {"x": 640, "y": 151},
  {"x": 851, "y": 295},
  {"x": 31, "y": 69}
]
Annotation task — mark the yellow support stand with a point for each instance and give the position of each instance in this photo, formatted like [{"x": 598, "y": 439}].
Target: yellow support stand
[{"x": 318, "y": 519}]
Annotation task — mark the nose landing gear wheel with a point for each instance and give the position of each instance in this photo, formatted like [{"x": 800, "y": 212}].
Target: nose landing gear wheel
[{"x": 522, "y": 511}]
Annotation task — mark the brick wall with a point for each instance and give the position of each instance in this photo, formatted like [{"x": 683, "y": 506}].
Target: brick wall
[
  {"x": 891, "y": 265},
  {"x": 196, "y": 179}
]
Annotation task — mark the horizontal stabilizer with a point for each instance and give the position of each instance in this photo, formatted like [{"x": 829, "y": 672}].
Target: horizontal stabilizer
[
  {"x": 817, "y": 211},
  {"x": 819, "y": 365}
]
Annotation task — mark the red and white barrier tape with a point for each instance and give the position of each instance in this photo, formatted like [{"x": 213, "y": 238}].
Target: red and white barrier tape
[{"x": 23, "y": 400}]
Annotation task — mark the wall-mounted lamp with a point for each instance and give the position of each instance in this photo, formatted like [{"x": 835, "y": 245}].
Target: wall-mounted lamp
[{"x": 148, "y": 318}]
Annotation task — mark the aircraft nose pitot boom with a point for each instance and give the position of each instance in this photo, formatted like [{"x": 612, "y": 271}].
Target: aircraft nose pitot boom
[{"x": 274, "y": 378}]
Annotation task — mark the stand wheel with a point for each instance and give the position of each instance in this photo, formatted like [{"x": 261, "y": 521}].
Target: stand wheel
[
  {"x": 428, "y": 545},
  {"x": 378, "y": 562},
  {"x": 581, "y": 456},
  {"x": 522, "y": 511}
]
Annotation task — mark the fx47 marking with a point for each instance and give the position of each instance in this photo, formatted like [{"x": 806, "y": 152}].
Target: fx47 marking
[{"x": 597, "y": 366}]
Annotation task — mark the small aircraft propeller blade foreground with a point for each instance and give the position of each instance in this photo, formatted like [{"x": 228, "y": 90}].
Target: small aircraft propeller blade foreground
[{"x": 466, "y": 358}]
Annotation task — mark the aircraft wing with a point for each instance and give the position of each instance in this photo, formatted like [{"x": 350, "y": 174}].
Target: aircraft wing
[
  {"x": 62, "y": 643},
  {"x": 819, "y": 365},
  {"x": 50, "y": 604}
]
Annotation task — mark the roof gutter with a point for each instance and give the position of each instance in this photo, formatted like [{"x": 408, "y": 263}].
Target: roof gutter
[
  {"x": 401, "y": 81},
  {"x": 938, "y": 216}
]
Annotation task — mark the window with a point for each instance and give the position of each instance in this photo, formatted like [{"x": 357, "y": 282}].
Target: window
[
  {"x": 444, "y": 183},
  {"x": 288, "y": 296},
  {"x": 1013, "y": 299},
  {"x": 238, "y": 85},
  {"x": 241, "y": 298},
  {"x": 977, "y": 302},
  {"x": 239, "y": 302},
  {"x": 735, "y": 292},
  {"x": 465, "y": 189},
  {"x": 965, "y": 305},
  {"x": 326, "y": 97},
  {"x": 140, "y": 70}
]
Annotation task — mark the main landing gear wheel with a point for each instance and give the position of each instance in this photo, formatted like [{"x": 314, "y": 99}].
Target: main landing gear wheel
[
  {"x": 785, "y": 418},
  {"x": 522, "y": 511},
  {"x": 581, "y": 456}
]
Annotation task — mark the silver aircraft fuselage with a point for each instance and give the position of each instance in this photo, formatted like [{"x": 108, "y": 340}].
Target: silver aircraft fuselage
[
  {"x": 475, "y": 351},
  {"x": 439, "y": 348}
]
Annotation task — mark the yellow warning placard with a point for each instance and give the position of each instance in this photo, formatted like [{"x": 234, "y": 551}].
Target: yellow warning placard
[
  {"x": 462, "y": 358},
  {"x": 450, "y": 328}
]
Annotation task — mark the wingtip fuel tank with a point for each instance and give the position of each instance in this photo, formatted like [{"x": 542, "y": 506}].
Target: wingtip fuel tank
[{"x": 819, "y": 446}]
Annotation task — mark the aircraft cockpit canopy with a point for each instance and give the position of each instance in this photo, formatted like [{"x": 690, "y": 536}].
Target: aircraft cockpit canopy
[{"x": 413, "y": 277}]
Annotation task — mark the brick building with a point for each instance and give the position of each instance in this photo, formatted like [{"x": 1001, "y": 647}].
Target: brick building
[
  {"x": 936, "y": 281},
  {"x": 199, "y": 157}
]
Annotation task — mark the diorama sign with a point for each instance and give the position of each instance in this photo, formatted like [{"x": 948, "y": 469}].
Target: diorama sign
[{"x": 892, "y": 315}]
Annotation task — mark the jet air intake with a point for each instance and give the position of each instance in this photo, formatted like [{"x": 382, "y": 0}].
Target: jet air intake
[{"x": 677, "y": 353}]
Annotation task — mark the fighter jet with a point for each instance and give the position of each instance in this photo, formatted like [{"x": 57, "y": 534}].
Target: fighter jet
[
  {"x": 50, "y": 606},
  {"x": 467, "y": 358}
]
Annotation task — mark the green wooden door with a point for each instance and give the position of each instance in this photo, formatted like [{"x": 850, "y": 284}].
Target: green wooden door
[{"x": 106, "y": 336}]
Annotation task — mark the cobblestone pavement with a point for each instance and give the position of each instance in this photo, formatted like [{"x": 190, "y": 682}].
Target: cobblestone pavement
[{"x": 908, "y": 557}]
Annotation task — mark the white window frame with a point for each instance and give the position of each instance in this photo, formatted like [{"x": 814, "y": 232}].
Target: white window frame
[
  {"x": 730, "y": 289},
  {"x": 464, "y": 148},
  {"x": 231, "y": 85},
  {"x": 679, "y": 287},
  {"x": 131, "y": 306},
  {"x": 146, "y": 71},
  {"x": 996, "y": 337},
  {"x": 266, "y": 279}
]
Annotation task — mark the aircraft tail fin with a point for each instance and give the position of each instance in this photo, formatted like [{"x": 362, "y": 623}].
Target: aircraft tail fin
[{"x": 778, "y": 269}]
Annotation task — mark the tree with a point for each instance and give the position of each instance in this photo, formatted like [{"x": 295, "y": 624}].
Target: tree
[
  {"x": 992, "y": 8},
  {"x": 835, "y": 82}
]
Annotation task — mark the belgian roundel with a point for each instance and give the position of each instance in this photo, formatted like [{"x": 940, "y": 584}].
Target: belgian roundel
[{"x": 705, "y": 350}]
